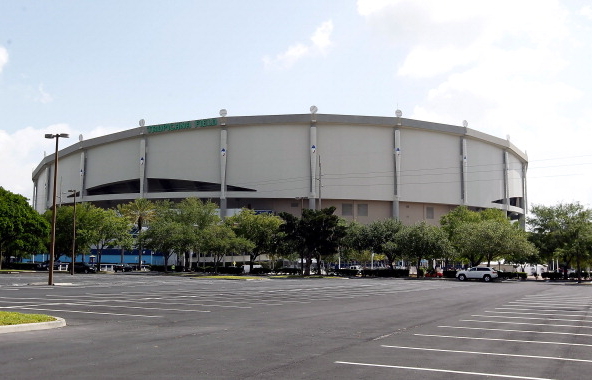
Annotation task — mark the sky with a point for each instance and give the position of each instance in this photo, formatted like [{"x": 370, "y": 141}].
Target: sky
[{"x": 513, "y": 69}]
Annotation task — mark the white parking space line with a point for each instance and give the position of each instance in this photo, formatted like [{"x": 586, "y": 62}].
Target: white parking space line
[
  {"x": 548, "y": 314},
  {"x": 503, "y": 340},
  {"x": 527, "y": 323},
  {"x": 90, "y": 303},
  {"x": 488, "y": 374},
  {"x": 94, "y": 305},
  {"x": 94, "y": 312},
  {"x": 527, "y": 309},
  {"x": 488, "y": 353},
  {"x": 164, "y": 301},
  {"x": 519, "y": 331},
  {"x": 532, "y": 318},
  {"x": 144, "y": 308},
  {"x": 545, "y": 305}
]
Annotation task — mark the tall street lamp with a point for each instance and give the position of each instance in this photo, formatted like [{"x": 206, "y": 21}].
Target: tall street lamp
[
  {"x": 73, "y": 233},
  {"x": 53, "y": 216}
]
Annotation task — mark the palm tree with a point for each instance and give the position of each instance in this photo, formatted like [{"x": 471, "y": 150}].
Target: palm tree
[{"x": 139, "y": 212}]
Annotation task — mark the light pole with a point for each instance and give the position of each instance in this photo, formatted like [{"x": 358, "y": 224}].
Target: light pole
[
  {"x": 73, "y": 233},
  {"x": 53, "y": 211}
]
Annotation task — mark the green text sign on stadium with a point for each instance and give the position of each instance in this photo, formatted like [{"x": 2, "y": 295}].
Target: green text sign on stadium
[{"x": 182, "y": 125}]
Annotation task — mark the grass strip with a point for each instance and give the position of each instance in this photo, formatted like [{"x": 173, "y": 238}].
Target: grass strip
[{"x": 13, "y": 318}]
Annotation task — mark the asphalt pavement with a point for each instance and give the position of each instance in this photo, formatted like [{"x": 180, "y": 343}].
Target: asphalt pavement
[{"x": 144, "y": 326}]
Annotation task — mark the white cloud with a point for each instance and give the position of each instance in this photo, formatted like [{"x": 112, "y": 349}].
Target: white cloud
[
  {"x": 23, "y": 150},
  {"x": 320, "y": 41},
  {"x": 507, "y": 67},
  {"x": 321, "y": 38},
  {"x": 586, "y": 11},
  {"x": 43, "y": 96},
  {"x": 3, "y": 57}
]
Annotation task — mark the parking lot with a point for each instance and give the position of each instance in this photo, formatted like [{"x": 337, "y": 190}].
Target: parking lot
[{"x": 153, "y": 326}]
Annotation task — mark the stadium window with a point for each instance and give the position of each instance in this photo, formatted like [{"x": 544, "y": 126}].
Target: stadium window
[
  {"x": 429, "y": 213},
  {"x": 363, "y": 209},
  {"x": 347, "y": 209}
]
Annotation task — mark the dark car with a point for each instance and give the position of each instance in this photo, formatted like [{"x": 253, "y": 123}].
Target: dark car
[
  {"x": 122, "y": 268},
  {"x": 84, "y": 268},
  {"x": 45, "y": 265}
]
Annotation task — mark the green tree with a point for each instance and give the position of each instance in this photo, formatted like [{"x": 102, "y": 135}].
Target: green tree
[
  {"x": 139, "y": 213},
  {"x": 382, "y": 237},
  {"x": 318, "y": 233},
  {"x": 261, "y": 229},
  {"x": 493, "y": 239},
  {"x": 179, "y": 228},
  {"x": 88, "y": 222},
  {"x": 293, "y": 242},
  {"x": 451, "y": 223},
  {"x": 486, "y": 235},
  {"x": 423, "y": 241},
  {"x": 166, "y": 233},
  {"x": 561, "y": 232},
  {"x": 218, "y": 240},
  {"x": 22, "y": 229},
  {"x": 355, "y": 244},
  {"x": 196, "y": 216},
  {"x": 111, "y": 230}
]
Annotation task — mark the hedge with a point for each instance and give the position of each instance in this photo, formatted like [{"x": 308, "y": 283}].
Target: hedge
[
  {"x": 574, "y": 276},
  {"x": 552, "y": 276},
  {"x": 288, "y": 271},
  {"x": 382, "y": 272},
  {"x": 21, "y": 266},
  {"x": 260, "y": 271},
  {"x": 508, "y": 275},
  {"x": 449, "y": 274}
]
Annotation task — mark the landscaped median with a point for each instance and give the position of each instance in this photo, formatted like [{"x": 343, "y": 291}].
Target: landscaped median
[{"x": 14, "y": 322}]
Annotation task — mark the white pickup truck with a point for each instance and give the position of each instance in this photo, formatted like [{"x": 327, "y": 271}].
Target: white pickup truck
[{"x": 479, "y": 273}]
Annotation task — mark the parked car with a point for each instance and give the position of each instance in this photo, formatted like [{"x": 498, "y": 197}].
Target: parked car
[
  {"x": 45, "y": 265},
  {"x": 477, "y": 273},
  {"x": 84, "y": 268},
  {"x": 122, "y": 268}
]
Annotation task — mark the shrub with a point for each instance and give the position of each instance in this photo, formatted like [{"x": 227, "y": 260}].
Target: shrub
[
  {"x": 508, "y": 275},
  {"x": 230, "y": 270},
  {"x": 260, "y": 271},
  {"x": 552, "y": 276},
  {"x": 449, "y": 274},
  {"x": 288, "y": 271},
  {"x": 160, "y": 268},
  {"x": 347, "y": 272},
  {"x": 22, "y": 266},
  {"x": 574, "y": 275},
  {"x": 381, "y": 272}
]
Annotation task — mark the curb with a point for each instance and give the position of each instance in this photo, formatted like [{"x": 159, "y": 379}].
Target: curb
[{"x": 59, "y": 322}]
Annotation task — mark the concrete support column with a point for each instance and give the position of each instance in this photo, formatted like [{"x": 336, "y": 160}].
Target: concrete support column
[
  {"x": 46, "y": 195},
  {"x": 82, "y": 176},
  {"x": 524, "y": 196},
  {"x": 506, "y": 183},
  {"x": 397, "y": 167},
  {"x": 223, "y": 155},
  {"x": 464, "y": 170},
  {"x": 313, "y": 165},
  {"x": 142, "y": 164}
]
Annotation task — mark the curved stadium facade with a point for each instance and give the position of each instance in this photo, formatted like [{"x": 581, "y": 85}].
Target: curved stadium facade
[{"x": 368, "y": 167}]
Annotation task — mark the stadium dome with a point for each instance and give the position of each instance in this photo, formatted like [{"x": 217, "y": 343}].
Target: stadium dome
[{"x": 368, "y": 167}]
